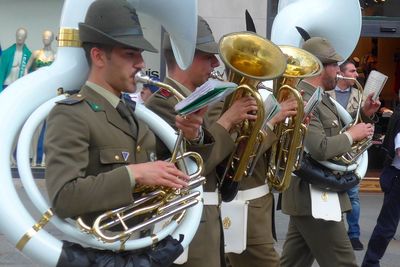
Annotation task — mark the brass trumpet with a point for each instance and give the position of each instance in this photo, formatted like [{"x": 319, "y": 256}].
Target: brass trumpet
[
  {"x": 359, "y": 147},
  {"x": 154, "y": 203},
  {"x": 287, "y": 152}
]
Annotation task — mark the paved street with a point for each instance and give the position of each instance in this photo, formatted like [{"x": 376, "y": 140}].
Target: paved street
[{"x": 370, "y": 205}]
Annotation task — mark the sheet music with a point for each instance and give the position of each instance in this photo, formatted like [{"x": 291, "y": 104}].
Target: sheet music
[
  {"x": 271, "y": 108},
  {"x": 207, "y": 94},
  {"x": 375, "y": 83},
  {"x": 313, "y": 102}
]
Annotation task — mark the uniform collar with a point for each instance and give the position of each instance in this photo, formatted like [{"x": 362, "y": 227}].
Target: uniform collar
[{"x": 110, "y": 97}]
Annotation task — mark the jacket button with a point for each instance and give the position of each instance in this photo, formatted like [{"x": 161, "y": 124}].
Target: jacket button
[
  {"x": 116, "y": 157},
  {"x": 138, "y": 149}
]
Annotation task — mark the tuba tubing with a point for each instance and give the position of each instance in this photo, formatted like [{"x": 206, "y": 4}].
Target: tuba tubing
[
  {"x": 43, "y": 206},
  {"x": 361, "y": 164}
]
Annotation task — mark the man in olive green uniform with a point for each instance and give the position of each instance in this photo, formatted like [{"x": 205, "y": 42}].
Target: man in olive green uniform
[
  {"x": 309, "y": 238},
  {"x": 260, "y": 249},
  {"x": 97, "y": 151},
  {"x": 207, "y": 245}
]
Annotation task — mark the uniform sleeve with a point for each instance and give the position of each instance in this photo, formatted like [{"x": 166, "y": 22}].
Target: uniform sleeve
[
  {"x": 322, "y": 139},
  {"x": 71, "y": 191}
]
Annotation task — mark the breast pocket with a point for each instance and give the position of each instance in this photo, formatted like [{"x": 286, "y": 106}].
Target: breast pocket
[
  {"x": 116, "y": 156},
  {"x": 331, "y": 127}
]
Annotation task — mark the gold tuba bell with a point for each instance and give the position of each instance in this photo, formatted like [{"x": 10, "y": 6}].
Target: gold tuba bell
[
  {"x": 286, "y": 153},
  {"x": 249, "y": 59}
]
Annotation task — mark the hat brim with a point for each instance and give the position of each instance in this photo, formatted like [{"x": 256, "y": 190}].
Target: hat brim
[
  {"x": 211, "y": 48},
  {"x": 88, "y": 33},
  {"x": 332, "y": 59}
]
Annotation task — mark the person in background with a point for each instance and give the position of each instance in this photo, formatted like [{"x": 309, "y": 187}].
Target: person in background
[
  {"x": 348, "y": 97},
  {"x": 389, "y": 215},
  {"x": 14, "y": 59}
]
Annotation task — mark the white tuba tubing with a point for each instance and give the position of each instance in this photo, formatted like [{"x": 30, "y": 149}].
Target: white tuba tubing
[
  {"x": 24, "y": 169},
  {"x": 167, "y": 134},
  {"x": 20, "y": 99},
  {"x": 361, "y": 164},
  {"x": 321, "y": 20}
]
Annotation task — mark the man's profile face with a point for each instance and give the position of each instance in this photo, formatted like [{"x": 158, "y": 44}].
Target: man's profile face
[
  {"x": 329, "y": 76},
  {"x": 201, "y": 68},
  {"x": 121, "y": 67},
  {"x": 350, "y": 72}
]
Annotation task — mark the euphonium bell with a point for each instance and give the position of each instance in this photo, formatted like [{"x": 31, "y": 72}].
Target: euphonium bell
[
  {"x": 286, "y": 153},
  {"x": 249, "y": 59},
  {"x": 358, "y": 147}
]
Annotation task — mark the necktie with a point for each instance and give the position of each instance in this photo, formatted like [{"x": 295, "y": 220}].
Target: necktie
[{"x": 126, "y": 111}]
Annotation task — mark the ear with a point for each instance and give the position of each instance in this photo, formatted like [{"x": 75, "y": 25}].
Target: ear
[{"x": 98, "y": 56}]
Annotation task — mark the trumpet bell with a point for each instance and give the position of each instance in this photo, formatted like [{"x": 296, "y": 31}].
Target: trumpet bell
[{"x": 251, "y": 56}]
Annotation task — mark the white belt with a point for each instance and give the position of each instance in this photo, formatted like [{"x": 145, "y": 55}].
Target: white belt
[
  {"x": 210, "y": 198},
  {"x": 253, "y": 193}
]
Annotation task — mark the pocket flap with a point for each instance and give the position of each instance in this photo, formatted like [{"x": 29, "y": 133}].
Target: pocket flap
[{"x": 115, "y": 155}]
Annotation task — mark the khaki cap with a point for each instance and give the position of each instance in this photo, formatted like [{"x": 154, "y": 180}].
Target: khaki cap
[
  {"x": 205, "y": 40},
  {"x": 322, "y": 49},
  {"x": 113, "y": 22}
]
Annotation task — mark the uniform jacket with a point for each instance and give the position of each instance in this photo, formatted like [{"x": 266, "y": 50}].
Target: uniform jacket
[
  {"x": 162, "y": 103},
  {"x": 353, "y": 102},
  {"x": 87, "y": 147},
  {"x": 323, "y": 142}
]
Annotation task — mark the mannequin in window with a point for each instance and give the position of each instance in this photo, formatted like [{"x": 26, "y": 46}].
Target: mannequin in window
[
  {"x": 14, "y": 59},
  {"x": 42, "y": 57}
]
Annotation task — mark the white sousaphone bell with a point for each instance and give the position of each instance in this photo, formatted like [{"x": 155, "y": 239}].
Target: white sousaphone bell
[
  {"x": 25, "y": 97},
  {"x": 320, "y": 19}
]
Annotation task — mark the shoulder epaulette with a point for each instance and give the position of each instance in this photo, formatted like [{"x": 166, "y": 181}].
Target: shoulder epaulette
[{"x": 72, "y": 100}]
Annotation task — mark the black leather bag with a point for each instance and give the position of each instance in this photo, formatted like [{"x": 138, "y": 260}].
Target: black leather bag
[
  {"x": 320, "y": 176},
  {"x": 162, "y": 255}
]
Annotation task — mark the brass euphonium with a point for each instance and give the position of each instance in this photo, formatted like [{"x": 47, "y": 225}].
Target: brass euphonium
[
  {"x": 287, "y": 152},
  {"x": 249, "y": 59},
  {"x": 359, "y": 147},
  {"x": 155, "y": 203}
]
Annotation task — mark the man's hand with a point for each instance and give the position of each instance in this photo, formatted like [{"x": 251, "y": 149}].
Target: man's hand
[
  {"x": 159, "y": 173},
  {"x": 190, "y": 124},
  {"x": 288, "y": 108},
  {"x": 242, "y": 109},
  {"x": 360, "y": 131},
  {"x": 371, "y": 106}
]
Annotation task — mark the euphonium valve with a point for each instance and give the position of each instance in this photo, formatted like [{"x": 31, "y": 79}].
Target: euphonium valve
[
  {"x": 286, "y": 153},
  {"x": 249, "y": 59}
]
